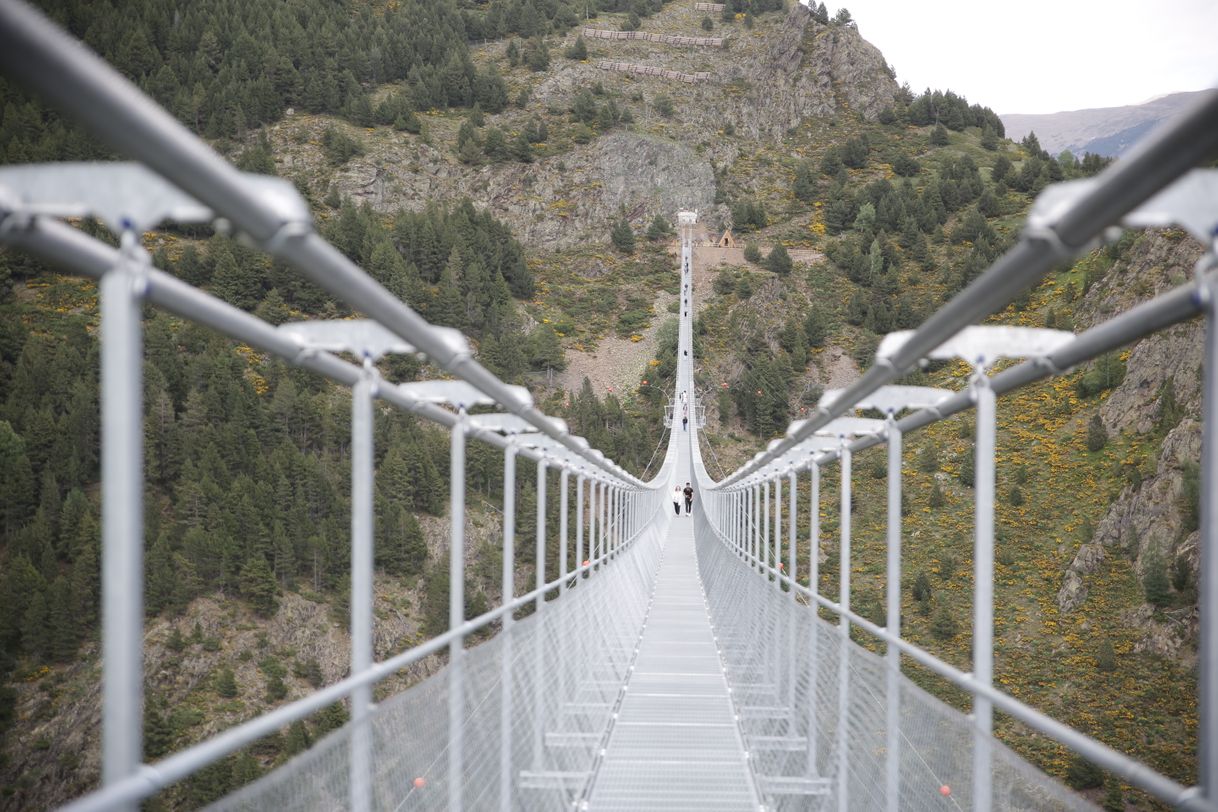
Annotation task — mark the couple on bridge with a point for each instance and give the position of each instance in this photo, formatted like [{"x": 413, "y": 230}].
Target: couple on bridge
[{"x": 678, "y": 493}]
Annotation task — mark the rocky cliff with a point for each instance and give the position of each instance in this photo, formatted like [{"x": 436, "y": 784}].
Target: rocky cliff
[
  {"x": 1150, "y": 521},
  {"x": 765, "y": 81}
]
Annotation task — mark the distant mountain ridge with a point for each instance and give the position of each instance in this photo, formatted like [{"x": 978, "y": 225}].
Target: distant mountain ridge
[{"x": 1108, "y": 131}]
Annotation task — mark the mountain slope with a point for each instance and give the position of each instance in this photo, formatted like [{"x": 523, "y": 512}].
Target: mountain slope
[
  {"x": 800, "y": 140},
  {"x": 1107, "y": 131}
]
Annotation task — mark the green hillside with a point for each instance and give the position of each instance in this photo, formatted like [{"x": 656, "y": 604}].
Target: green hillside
[{"x": 468, "y": 156}]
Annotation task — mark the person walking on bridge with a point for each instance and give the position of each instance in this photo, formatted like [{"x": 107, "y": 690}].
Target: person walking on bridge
[
  {"x": 689, "y": 498},
  {"x": 676, "y": 499}
]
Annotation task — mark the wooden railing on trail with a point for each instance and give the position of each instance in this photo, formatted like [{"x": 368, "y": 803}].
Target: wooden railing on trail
[
  {"x": 647, "y": 36},
  {"x": 708, "y": 6},
  {"x": 651, "y": 70}
]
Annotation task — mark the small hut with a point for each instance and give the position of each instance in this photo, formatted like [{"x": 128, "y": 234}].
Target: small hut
[{"x": 727, "y": 240}]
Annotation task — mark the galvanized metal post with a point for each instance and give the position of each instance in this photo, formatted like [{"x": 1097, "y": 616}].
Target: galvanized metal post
[
  {"x": 737, "y": 523},
  {"x": 615, "y": 521},
  {"x": 362, "y": 461},
  {"x": 539, "y": 636},
  {"x": 604, "y": 520},
  {"x": 1207, "y": 566},
  {"x": 983, "y": 589},
  {"x": 579, "y": 521},
  {"x": 792, "y": 514},
  {"x": 508, "y": 590},
  {"x": 456, "y": 614},
  {"x": 843, "y": 595},
  {"x": 540, "y": 566},
  {"x": 564, "y": 506},
  {"x": 893, "y": 621},
  {"x": 814, "y": 536},
  {"x": 755, "y": 522},
  {"x": 843, "y": 660},
  {"x": 765, "y": 529},
  {"x": 122, "y": 464},
  {"x": 791, "y": 529},
  {"x": 814, "y": 608},
  {"x": 752, "y": 522},
  {"x": 592, "y": 523},
  {"x": 777, "y": 555},
  {"x": 508, "y": 572}
]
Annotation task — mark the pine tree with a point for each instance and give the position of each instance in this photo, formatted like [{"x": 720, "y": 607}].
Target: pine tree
[
  {"x": 804, "y": 187},
  {"x": 816, "y": 326},
  {"x": 752, "y": 252},
  {"x": 1155, "y": 583},
  {"x": 35, "y": 635},
  {"x": 17, "y": 484},
  {"x": 967, "y": 471},
  {"x": 297, "y": 739},
  {"x": 158, "y": 732},
  {"x": 226, "y": 683},
  {"x": 1097, "y": 435},
  {"x": 659, "y": 228},
  {"x": 257, "y": 584},
  {"x": 936, "y": 499},
  {"x": 448, "y": 308},
  {"x": 63, "y": 622},
  {"x": 1105, "y": 660},
  {"x": 238, "y": 283},
  {"x": 943, "y": 624},
  {"x": 779, "y": 261},
  {"x": 522, "y": 148},
  {"x": 1082, "y": 774},
  {"x": 245, "y": 769},
  {"x": 578, "y": 51},
  {"x": 622, "y": 236},
  {"x": 938, "y": 136},
  {"x": 494, "y": 144}
]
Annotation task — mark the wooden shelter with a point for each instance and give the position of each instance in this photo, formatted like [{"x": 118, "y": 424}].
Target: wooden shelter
[{"x": 727, "y": 240}]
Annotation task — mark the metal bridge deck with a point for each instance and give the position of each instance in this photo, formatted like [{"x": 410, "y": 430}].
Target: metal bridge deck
[{"x": 675, "y": 743}]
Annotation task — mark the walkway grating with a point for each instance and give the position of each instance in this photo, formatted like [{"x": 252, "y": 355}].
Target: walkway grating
[{"x": 675, "y": 743}]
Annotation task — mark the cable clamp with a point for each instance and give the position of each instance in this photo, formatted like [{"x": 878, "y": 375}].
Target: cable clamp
[
  {"x": 1046, "y": 363},
  {"x": 293, "y": 230}
]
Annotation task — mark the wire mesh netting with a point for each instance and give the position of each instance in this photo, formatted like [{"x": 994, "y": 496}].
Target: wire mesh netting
[
  {"x": 533, "y": 705},
  {"x": 813, "y": 707}
]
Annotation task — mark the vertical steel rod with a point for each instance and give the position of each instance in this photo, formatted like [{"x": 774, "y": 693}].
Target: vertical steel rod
[
  {"x": 814, "y": 608},
  {"x": 792, "y": 572},
  {"x": 456, "y": 615},
  {"x": 540, "y": 568},
  {"x": 1207, "y": 565},
  {"x": 844, "y": 581},
  {"x": 603, "y": 505},
  {"x": 752, "y": 524},
  {"x": 777, "y": 555},
  {"x": 362, "y": 461},
  {"x": 579, "y": 520},
  {"x": 843, "y": 668},
  {"x": 564, "y": 507},
  {"x": 508, "y": 591},
  {"x": 122, "y": 464},
  {"x": 893, "y": 621},
  {"x": 592, "y": 521},
  {"x": 765, "y": 527},
  {"x": 983, "y": 590}
]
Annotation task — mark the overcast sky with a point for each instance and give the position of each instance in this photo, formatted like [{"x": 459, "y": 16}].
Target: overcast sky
[{"x": 1045, "y": 56}]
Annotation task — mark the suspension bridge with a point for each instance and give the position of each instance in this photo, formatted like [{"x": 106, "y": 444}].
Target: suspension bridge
[{"x": 672, "y": 661}]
